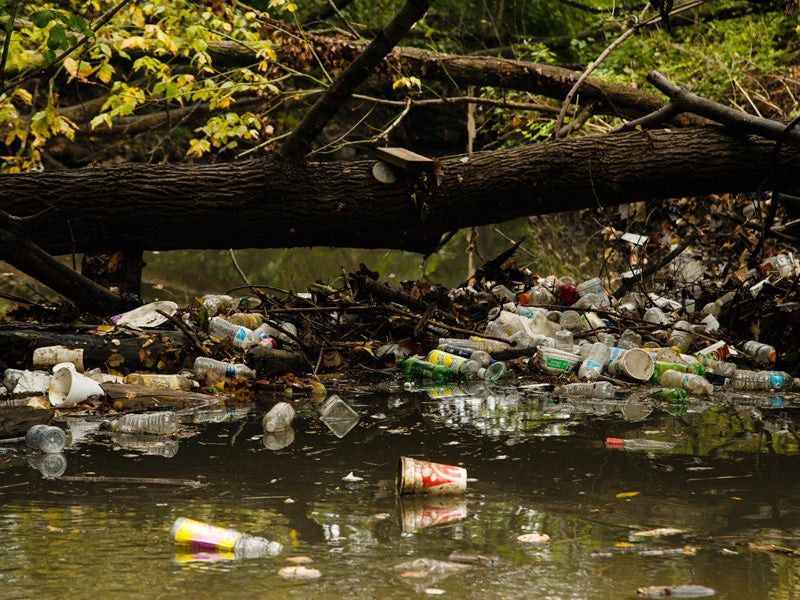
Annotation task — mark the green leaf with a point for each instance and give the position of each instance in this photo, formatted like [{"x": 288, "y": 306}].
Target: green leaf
[
  {"x": 57, "y": 37},
  {"x": 41, "y": 18}
]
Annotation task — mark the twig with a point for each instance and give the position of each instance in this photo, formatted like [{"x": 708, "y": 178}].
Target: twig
[
  {"x": 186, "y": 331},
  {"x": 138, "y": 480}
]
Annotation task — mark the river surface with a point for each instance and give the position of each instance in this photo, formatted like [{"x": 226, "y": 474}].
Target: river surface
[{"x": 717, "y": 509}]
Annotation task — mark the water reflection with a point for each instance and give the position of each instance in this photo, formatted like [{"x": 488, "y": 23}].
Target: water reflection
[{"x": 537, "y": 464}]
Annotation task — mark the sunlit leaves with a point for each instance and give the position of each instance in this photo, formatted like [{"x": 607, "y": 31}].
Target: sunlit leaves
[
  {"x": 412, "y": 83},
  {"x": 223, "y": 132}
]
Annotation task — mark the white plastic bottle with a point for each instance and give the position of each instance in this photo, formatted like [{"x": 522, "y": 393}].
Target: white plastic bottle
[
  {"x": 596, "y": 358},
  {"x": 162, "y": 423},
  {"x": 239, "y": 336},
  {"x": 203, "y": 365},
  {"x": 681, "y": 336},
  {"x": 694, "y": 384},
  {"x": 279, "y": 417},
  {"x": 744, "y": 379}
]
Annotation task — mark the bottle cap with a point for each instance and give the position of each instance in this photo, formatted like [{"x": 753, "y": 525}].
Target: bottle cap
[
  {"x": 524, "y": 299},
  {"x": 772, "y": 356},
  {"x": 614, "y": 442}
]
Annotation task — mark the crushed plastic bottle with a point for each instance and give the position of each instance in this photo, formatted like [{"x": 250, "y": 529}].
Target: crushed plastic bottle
[
  {"x": 159, "y": 423},
  {"x": 204, "y": 365}
]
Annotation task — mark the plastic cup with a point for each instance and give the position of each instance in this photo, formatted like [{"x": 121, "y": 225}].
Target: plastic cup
[
  {"x": 419, "y": 512},
  {"x": 49, "y": 356},
  {"x": 68, "y": 387},
  {"x": 636, "y": 364},
  {"x": 423, "y": 477}
]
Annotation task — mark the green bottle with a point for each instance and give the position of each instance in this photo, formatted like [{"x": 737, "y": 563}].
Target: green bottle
[
  {"x": 669, "y": 394},
  {"x": 416, "y": 367}
]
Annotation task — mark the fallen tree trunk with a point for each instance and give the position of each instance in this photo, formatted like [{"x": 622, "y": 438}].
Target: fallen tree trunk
[{"x": 272, "y": 204}]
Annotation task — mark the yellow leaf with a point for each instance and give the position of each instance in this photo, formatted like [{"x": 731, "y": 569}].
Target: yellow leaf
[
  {"x": 71, "y": 66},
  {"x": 627, "y": 494},
  {"x": 105, "y": 72},
  {"x": 135, "y": 41},
  {"x": 23, "y": 95},
  {"x": 624, "y": 545}
]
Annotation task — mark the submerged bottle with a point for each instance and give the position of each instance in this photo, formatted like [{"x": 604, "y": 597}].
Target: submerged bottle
[
  {"x": 161, "y": 423},
  {"x": 46, "y": 438},
  {"x": 466, "y": 368},
  {"x": 761, "y": 353},
  {"x": 203, "y": 365},
  {"x": 596, "y": 358},
  {"x": 744, "y": 379},
  {"x": 694, "y": 384},
  {"x": 279, "y": 417},
  {"x": 595, "y": 389}
]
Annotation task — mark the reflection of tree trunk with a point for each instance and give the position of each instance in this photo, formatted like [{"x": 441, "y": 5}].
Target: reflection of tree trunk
[{"x": 269, "y": 204}]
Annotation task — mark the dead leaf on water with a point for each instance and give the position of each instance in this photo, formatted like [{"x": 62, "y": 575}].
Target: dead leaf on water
[
  {"x": 658, "y": 532},
  {"x": 627, "y": 494}
]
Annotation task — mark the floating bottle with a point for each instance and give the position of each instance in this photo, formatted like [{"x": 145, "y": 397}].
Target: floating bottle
[
  {"x": 239, "y": 336},
  {"x": 160, "y": 423},
  {"x": 279, "y": 417},
  {"x": 417, "y": 367},
  {"x": 475, "y": 343},
  {"x": 761, "y": 353},
  {"x": 596, "y": 358},
  {"x": 694, "y": 384},
  {"x": 668, "y": 394},
  {"x": 46, "y": 438},
  {"x": 203, "y": 365},
  {"x": 484, "y": 358},
  {"x": 204, "y": 536},
  {"x": 638, "y": 444},
  {"x": 744, "y": 379},
  {"x": 159, "y": 380},
  {"x": 594, "y": 389},
  {"x": 466, "y": 368}
]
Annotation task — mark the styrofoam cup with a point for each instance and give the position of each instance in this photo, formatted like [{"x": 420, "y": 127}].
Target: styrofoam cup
[{"x": 68, "y": 387}]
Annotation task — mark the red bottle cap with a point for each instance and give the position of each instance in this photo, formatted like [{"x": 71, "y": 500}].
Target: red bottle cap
[
  {"x": 614, "y": 442},
  {"x": 524, "y": 299}
]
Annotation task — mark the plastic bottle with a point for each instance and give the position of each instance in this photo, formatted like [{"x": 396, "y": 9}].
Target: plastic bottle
[
  {"x": 655, "y": 315},
  {"x": 159, "y": 380},
  {"x": 694, "y": 384},
  {"x": 596, "y": 358},
  {"x": 595, "y": 389},
  {"x": 475, "y": 343},
  {"x": 249, "y": 320},
  {"x": 681, "y": 336},
  {"x": 215, "y": 303},
  {"x": 46, "y": 438},
  {"x": 239, "y": 336},
  {"x": 715, "y": 308},
  {"x": 667, "y": 394},
  {"x": 515, "y": 334},
  {"x": 564, "y": 340},
  {"x": 466, "y": 368},
  {"x": 484, "y": 358},
  {"x": 633, "y": 444},
  {"x": 540, "y": 295},
  {"x": 279, "y": 417},
  {"x": 162, "y": 423},
  {"x": 284, "y": 332},
  {"x": 210, "y": 537},
  {"x": 761, "y": 380},
  {"x": 203, "y": 365},
  {"x": 629, "y": 340},
  {"x": 761, "y": 353},
  {"x": 417, "y": 367},
  {"x": 571, "y": 319}
]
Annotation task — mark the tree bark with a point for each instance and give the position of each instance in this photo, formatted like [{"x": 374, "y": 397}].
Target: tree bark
[{"x": 272, "y": 204}]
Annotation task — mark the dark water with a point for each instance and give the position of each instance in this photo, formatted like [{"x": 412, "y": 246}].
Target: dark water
[{"x": 536, "y": 465}]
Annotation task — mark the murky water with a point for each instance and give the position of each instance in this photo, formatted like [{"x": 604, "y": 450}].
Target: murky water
[{"x": 536, "y": 465}]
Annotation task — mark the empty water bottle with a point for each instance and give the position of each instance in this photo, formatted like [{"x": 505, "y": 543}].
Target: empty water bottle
[
  {"x": 239, "y": 336},
  {"x": 564, "y": 340},
  {"x": 161, "y": 423},
  {"x": 204, "y": 365},
  {"x": 744, "y": 379},
  {"x": 279, "y": 417},
  {"x": 596, "y": 358},
  {"x": 761, "y": 353},
  {"x": 475, "y": 344},
  {"x": 694, "y": 384},
  {"x": 215, "y": 303},
  {"x": 46, "y": 438},
  {"x": 681, "y": 336},
  {"x": 594, "y": 389}
]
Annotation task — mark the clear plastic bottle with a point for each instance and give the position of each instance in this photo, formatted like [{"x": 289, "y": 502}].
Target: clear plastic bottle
[
  {"x": 279, "y": 417},
  {"x": 761, "y": 353},
  {"x": 284, "y": 332},
  {"x": 596, "y": 358},
  {"x": 474, "y": 343},
  {"x": 216, "y": 303},
  {"x": 594, "y": 389},
  {"x": 514, "y": 333},
  {"x": 249, "y": 320},
  {"x": 484, "y": 358},
  {"x": 203, "y": 365},
  {"x": 466, "y": 368},
  {"x": 564, "y": 340},
  {"x": 252, "y": 546},
  {"x": 744, "y": 379},
  {"x": 655, "y": 315},
  {"x": 681, "y": 336},
  {"x": 46, "y": 438},
  {"x": 161, "y": 423},
  {"x": 239, "y": 336},
  {"x": 715, "y": 308},
  {"x": 694, "y": 384},
  {"x": 638, "y": 444},
  {"x": 571, "y": 319},
  {"x": 205, "y": 536},
  {"x": 629, "y": 340}
]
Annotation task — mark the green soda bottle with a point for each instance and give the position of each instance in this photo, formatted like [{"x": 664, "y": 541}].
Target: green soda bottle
[{"x": 415, "y": 367}]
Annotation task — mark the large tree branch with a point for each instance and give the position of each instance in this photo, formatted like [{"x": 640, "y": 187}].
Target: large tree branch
[{"x": 274, "y": 204}]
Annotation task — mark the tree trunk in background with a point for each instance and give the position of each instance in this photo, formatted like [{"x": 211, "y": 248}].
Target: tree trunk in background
[{"x": 272, "y": 204}]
